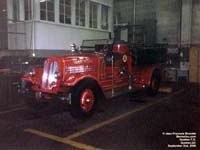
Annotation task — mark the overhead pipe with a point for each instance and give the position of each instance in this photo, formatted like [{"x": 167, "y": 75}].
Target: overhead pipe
[
  {"x": 180, "y": 34},
  {"x": 33, "y": 27},
  {"x": 134, "y": 10},
  {"x": 134, "y": 19},
  {"x": 191, "y": 19}
]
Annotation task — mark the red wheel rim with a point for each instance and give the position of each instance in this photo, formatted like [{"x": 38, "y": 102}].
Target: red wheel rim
[{"x": 87, "y": 100}]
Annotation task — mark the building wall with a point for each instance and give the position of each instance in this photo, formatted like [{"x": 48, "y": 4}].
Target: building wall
[
  {"x": 143, "y": 15},
  {"x": 3, "y": 25},
  {"x": 145, "y": 10},
  {"x": 168, "y": 21},
  {"x": 146, "y": 16},
  {"x": 105, "y": 2},
  {"x": 186, "y": 23},
  {"x": 46, "y": 35},
  {"x": 196, "y": 22},
  {"x": 17, "y": 36},
  {"x": 123, "y": 11},
  {"x": 167, "y": 14},
  {"x": 55, "y": 37}
]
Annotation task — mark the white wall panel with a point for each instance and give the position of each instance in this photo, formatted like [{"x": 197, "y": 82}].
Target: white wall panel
[{"x": 51, "y": 36}]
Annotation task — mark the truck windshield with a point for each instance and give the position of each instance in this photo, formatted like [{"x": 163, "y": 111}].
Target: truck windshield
[{"x": 95, "y": 45}]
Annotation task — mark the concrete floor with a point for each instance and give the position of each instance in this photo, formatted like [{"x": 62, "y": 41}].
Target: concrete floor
[{"x": 139, "y": 123}]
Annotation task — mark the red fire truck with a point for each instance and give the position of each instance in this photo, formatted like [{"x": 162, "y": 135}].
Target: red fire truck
[{"x": 83, "y": 77}]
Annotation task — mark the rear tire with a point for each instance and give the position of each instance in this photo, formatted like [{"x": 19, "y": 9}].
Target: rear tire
[
  {"x": 154, "y": 84},
  {"x": 84, "y": 99}
]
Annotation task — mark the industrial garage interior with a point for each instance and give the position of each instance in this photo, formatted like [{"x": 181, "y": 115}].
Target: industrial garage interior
[{"x": 99, "y": 74}]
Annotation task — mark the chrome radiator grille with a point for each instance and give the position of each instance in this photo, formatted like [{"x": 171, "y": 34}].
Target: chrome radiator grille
[{"x": 48, "y": 78}]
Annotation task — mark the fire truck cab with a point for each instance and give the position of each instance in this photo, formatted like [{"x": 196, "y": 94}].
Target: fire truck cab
[{"x": 83, "y": 78}]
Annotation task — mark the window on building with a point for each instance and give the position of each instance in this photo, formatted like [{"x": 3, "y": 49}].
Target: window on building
[
  {"x": 27, "y": 9},
  {"x": 16, "y": 10},
  {"x": 104, "y": 17},
  {"x": 93, "y": 15},
  {"x": 80, "y": 12},
  {"x": 47, "y": 10},
  {"x": 65, "y": 11}
]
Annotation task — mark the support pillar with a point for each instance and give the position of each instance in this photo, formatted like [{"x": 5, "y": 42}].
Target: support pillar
[{"x": 186, "y": 23}]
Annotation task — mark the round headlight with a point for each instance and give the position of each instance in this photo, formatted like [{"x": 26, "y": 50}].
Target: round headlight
[
  {"x": 32, "y": 73},
  {"x": 57, "y": 75}
]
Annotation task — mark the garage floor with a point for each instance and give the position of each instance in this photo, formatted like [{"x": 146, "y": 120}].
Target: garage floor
[{"x": 166, "y": 121}]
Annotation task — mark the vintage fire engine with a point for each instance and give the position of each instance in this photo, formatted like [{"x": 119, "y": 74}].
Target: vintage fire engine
[{"x": 84, "y": 78}]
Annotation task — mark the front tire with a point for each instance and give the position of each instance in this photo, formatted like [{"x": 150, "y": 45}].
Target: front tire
[{"x": 84, "y": 99}]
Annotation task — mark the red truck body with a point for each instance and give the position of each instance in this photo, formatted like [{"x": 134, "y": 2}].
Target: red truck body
[{"x": 81, "y": 77}]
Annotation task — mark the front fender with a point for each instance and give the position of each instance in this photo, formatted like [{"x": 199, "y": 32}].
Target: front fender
[
  {"x": 148, "y": 72},
  {"x": 85, "y": 78},
  {"x": 143, "y": 75},
  {"x": 77, "y": 78}
]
